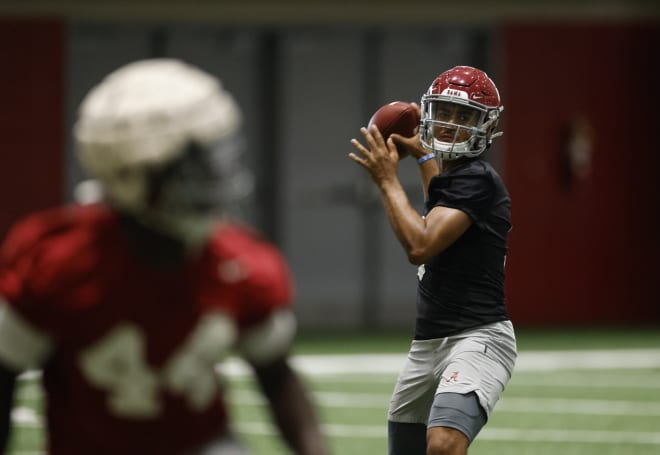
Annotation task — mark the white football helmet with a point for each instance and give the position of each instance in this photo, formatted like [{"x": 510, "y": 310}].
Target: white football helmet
[
  {"x": 460, "y": 112},
  {"x": 161, "y": 136}
]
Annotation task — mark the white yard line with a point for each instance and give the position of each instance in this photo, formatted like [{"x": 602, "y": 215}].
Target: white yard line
[
  {"x": 354, "y": 364},
  {"x": 579, "y": 406},
  {"x": 27, "y": 417},
  {"x": 588, "y": 380},
  {"x": 558, "y": 435},
  {"x": 351, "y": 364},
  {"x": 373, "y": 366},
  {"x": 487, "y": 434},
  {"x": 622, "y": 359},
  {"x": 506, "y": 404}
]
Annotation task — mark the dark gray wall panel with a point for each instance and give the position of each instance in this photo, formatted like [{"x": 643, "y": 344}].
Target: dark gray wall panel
[
  {"x": 94, "y": 50},
  {"x": 320, "y": 224}
]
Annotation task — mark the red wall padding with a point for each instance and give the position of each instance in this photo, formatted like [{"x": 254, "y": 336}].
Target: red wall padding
[
  {"x": 583, "y": 251},
  {"x": 31, "y": 117}
]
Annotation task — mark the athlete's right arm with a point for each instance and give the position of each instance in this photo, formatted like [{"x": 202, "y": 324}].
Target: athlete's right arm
[{"x": 7, "y": 384}]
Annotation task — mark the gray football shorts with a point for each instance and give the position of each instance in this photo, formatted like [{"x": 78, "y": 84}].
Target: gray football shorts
[{"x": 474, "y": 363}]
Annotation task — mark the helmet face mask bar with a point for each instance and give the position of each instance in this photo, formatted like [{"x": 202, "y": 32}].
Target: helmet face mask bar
[
  {"x": 460, "y": 112},
  {"x": 186, "y": 195}
]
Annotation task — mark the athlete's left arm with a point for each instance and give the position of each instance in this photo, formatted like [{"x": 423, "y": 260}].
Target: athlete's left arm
[
  {"x": 291, "y": 407},
  {"x": 22, "y": 347},
  {"x": 266, "y": 346},
  {"x": 7, "y": 385}
]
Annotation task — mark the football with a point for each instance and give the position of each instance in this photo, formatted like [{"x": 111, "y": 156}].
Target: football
[{"x": 396, "y": 117}]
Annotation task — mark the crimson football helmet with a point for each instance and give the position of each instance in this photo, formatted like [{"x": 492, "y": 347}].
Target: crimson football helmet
[
  {"x": 162, "y": 138},
  {"x": 460, "y": 112}
]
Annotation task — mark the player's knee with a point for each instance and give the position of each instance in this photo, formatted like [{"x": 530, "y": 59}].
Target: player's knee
[{"x": 446, "y": 441}]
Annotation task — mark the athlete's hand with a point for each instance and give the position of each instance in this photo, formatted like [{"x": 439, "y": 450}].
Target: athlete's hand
[
  {"x": 412, "y": 145},
  {"x": 379, "y": 157}
]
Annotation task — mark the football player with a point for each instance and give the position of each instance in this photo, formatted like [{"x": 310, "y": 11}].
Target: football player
[
  {"x": 464, "y": 348},
  {"x": 129, "y": 304}
]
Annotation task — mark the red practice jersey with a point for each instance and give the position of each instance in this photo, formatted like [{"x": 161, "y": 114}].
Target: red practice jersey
[{"x": 133, "y": 348}]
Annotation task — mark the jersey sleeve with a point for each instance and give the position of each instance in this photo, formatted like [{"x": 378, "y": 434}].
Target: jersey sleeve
[
  {"x": 269, "y": 339},
  {"x": 268, "y": 288},
  {"x": 264, "y": 290},
  {"x": 269, "y": 332},
  {"x": 470, "y": 192}
]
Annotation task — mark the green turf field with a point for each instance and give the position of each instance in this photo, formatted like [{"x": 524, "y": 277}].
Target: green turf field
[{"x": 586, "y": 392}]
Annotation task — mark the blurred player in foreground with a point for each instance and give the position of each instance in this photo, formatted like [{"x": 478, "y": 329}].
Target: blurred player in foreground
[
  {"x": 464, "y": 347},
  {"x": 129, "y": 305}
]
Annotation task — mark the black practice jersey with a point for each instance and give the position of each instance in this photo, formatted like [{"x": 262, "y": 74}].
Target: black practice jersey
[{"x": 463, "y": 287}]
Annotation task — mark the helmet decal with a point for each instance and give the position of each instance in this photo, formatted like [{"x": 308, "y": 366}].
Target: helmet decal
[{"x": 453, "y": 92}]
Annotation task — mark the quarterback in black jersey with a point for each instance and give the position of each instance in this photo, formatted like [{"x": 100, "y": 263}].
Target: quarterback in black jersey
[{"x": 464, "y": 348}]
